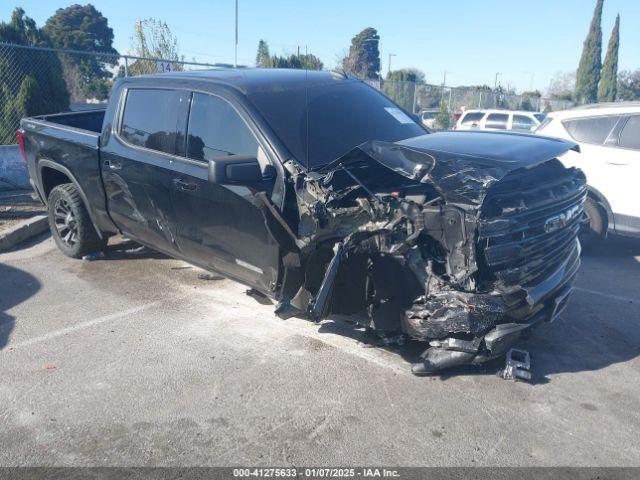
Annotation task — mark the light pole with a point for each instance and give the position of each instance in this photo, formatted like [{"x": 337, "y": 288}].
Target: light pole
[
  {"x": 495, "y": 83},
  {"x": 389, "y": 66},
  {"x": 235, "y": 57}
]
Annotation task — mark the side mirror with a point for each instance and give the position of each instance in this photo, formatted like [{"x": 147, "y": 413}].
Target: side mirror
[{"x": 237, "y": 169}]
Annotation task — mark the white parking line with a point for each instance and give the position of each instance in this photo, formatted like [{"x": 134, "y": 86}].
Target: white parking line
[
  {"x": 80, "y": 326},
  {"x": 608, "y": 295}
]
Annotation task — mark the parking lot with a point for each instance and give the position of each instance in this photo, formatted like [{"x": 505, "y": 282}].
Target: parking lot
[{"x": 135, "y": 360}]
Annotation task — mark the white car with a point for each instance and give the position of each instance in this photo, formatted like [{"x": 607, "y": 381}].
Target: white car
[
  {"x": 519, "y": 121},
  {"x": 609, "y": 139},
  {"x": 428, "y": 117}
]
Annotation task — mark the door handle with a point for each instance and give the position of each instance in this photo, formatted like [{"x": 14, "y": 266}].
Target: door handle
[
  {"x": 182, "y": 184},
  {"x": 112, "y": 165}
]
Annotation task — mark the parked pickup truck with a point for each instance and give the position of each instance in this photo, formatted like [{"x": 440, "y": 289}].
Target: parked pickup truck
[{"x": 317, "y": 191}]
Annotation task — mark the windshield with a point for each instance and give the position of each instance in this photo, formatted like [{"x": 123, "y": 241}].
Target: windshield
[
  {"x": 540, "y": 116},
  {"x": 342, "y": 114}
]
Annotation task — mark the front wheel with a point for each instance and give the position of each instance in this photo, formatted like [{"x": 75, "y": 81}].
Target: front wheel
[
  {"x": 594, "y": 231},
  {"x": 70, "y": 224}
]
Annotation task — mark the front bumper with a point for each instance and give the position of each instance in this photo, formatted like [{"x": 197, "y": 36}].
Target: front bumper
[{"x": 474, "y": 341}]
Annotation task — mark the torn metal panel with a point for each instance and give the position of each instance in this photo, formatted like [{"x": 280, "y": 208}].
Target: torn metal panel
[{"x": 463, "y": 241}]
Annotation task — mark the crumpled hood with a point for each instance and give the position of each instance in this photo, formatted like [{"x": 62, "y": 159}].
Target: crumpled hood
[{"x": 460, "y": 165}]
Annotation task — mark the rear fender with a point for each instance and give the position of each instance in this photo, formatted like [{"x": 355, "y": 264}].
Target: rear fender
[{"x": 44, "y": 163}]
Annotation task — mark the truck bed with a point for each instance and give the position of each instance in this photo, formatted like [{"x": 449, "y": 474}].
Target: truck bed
[
  {"x": 89, "y": 120},
  {"x": 68, "y": 144}
]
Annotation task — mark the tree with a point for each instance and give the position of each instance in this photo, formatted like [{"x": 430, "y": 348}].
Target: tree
[
  {"x": 363, "y": 60},
  {"x": 82, "y": 27},
  {"x": 443, "y": 119},
  {"x": 588, "y": 74},
  {"x": 306, "y": 61},
  {"x": 562, "y": 86},
  {"x": 608, "y": 81},
  {"x": 30, "y": 80},
  {"x": 263, "y": 57},
  {"x": 401, "y": 87},
  {"x": 628, "y": 85},
  {"x": 303, "y": 61},
  {"x": 526, "y": 103},
  {"x": 153, "y": 39}
]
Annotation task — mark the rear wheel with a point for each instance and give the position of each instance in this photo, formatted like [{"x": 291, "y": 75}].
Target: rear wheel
[
  {"x": 70, "y": 224},
  {"x": 595, "y": 230}
]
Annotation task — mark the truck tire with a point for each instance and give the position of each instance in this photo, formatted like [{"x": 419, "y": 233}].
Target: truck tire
[
  {"x": 593, "y": 233},
  {"x": 70, "y": 224}
]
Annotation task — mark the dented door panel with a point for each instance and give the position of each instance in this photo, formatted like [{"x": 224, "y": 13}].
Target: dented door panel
[{"x": 137, "y": 170}]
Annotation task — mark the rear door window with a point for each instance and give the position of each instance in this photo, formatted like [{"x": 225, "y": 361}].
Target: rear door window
[
  {"x": 497, "y": 121},
  {"x": 471, "y": 118},
  {"x": 630, "y": 135},
  {"x": 522, "y": 122},
  {"x": 593, "y": 130},
  {"x": 216, "y": 130},
  {"x": 153, "y": 118}
]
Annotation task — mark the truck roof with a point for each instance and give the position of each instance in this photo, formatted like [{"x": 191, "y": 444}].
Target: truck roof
[{"x": 252, "y": 80}]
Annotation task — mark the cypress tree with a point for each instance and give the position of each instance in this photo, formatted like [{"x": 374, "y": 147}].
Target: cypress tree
[
  {"x": 588, "y": 74},
  {"x": 263, "y": 57},
  {"x": 607, "y": 89}
]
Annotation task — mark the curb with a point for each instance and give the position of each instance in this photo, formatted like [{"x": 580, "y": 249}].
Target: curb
[{"x": 24, "y": 231}]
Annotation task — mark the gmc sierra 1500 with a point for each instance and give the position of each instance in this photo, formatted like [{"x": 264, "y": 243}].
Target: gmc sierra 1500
[{"x": 316, "y": 190}]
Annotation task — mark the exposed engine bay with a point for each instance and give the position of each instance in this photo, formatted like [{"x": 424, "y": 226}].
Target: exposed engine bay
[{"x": 467, "y": 252}]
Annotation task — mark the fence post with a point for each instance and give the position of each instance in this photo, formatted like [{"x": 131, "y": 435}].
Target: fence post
[
  {"x": 415, "y": 97},
  {"x": 126, "y": 66}
]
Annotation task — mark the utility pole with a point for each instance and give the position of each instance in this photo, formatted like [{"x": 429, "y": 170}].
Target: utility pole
[
  {"x": 444, "y": 80},
  {"x": 235, "y": 58},
  {"x": 495, "y": 83},
  {"x": 389, "y": 66}
]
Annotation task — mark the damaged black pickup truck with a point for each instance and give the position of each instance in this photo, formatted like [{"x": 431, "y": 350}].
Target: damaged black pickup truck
[{"x": 317, "y": 191}]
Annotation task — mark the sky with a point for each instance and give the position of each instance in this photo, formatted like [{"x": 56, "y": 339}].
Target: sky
[{"x": 526, "y": 42}]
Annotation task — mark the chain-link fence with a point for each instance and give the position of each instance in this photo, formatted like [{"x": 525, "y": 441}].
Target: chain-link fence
[
  {"x": 418, "y": 97},
  {"x": 40, "y": 80}
]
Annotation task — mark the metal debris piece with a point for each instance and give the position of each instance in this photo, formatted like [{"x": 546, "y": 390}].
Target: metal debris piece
[{"x": 518, "y": 365}]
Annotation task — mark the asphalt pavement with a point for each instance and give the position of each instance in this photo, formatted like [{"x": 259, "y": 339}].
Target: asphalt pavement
[{"x": 135, "y": 360}]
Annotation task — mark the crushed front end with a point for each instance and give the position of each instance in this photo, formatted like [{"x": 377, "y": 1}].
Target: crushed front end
[{"x": 467, "y": 252}]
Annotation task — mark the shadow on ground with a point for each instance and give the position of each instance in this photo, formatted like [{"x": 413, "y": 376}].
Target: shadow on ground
[
  {"x": 16, "y": 286},
  {"x": 128, "y": 250}
]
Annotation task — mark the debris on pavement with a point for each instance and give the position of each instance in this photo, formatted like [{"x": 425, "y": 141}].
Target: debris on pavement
[
  {"x": 517, "y": 365},
  {"x": 259, "y": 297},
  {"x": 90, "y": 257},
  {"x": 209, "y": 276}
]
